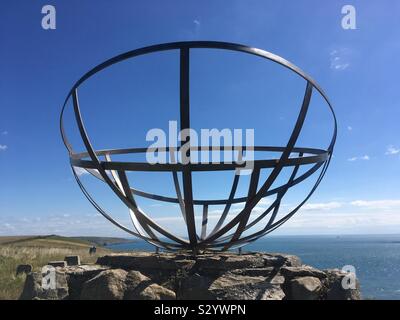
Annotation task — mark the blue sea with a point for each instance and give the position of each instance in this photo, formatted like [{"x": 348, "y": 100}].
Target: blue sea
[{"x": 376, "y": 258}]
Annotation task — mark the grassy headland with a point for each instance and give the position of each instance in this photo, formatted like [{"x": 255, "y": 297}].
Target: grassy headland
[{"x": 38, "y": 251}]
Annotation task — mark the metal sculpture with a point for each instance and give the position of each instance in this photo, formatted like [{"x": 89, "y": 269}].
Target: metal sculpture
[{"x": 224, "y": 235}]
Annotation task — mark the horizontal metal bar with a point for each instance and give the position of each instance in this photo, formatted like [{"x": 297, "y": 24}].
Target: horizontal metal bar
[
  {"x": 305, "y": 150},
  {"x": 170, "y": 167}
]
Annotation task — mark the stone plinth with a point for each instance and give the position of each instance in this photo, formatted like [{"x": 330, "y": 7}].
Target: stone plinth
[{"x": 165, "y": 276}]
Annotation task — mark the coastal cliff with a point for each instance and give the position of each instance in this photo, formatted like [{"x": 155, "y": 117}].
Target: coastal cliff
[{"x": 182, "y": 276}]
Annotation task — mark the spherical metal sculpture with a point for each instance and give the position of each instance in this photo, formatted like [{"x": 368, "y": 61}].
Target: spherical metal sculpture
[{"x": 225, "y": 234}]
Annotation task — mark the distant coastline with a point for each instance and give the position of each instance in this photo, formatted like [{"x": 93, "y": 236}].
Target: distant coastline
[{"x": 105, "y": 241}]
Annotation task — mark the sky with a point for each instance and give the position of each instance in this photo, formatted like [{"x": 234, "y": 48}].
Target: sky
[{"x": 357, "y": 68}]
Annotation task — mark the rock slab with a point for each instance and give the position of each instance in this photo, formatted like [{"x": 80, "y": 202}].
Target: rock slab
[
  {"x": 23, "y": 268},
  {"x": 72, "y": 260}
]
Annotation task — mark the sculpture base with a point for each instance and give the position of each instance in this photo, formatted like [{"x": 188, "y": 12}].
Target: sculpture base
[{"x": 166, "y": 276}]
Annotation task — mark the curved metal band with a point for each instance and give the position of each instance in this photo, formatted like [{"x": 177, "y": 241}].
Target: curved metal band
[{"x": 255, "y": 197}]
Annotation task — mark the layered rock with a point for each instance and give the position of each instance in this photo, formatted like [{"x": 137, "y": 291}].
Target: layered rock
[{"x": 166, "y": 276}]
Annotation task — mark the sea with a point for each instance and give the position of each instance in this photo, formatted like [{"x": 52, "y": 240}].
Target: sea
[{"x": 375, "y": 258}]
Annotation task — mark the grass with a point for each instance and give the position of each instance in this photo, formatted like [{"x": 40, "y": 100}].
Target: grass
[
  {"x": 37, "y": 251},
  {"x": 12, "y": 239}
]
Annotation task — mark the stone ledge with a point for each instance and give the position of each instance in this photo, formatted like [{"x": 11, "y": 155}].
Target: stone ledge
[{"x": 165, "y": 276}]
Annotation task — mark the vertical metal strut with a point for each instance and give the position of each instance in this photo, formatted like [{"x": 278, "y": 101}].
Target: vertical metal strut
[{"x": 185, "y": 125}]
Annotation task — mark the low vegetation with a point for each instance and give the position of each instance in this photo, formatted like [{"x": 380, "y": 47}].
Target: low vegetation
[{"x": 36, "y": 251}]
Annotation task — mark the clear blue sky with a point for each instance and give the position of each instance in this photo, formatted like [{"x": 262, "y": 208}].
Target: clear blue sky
[{"x": 358, "y": 69}]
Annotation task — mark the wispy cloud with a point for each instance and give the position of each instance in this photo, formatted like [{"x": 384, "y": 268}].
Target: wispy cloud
[
  {"x": 4, "y": 133},
  {"x": 197, "y": 26},
  {"x": 344, "y": 223},
  {"x": 349, "y": 128},
  {"x": 8, "y": 226},
  {"x": 157, "y": 205},
  {"x": 392, "y": 150},
  {"x": 365, "y": 158},
  {"x": 377, "y": 204},
  {"x": 352, "y": 217},
  {"x": 3, "y": 147},
  {"x": 321, "y": 206},
  {"x": 192, "y": 29},
  {"x": 340, "y": 59}
]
